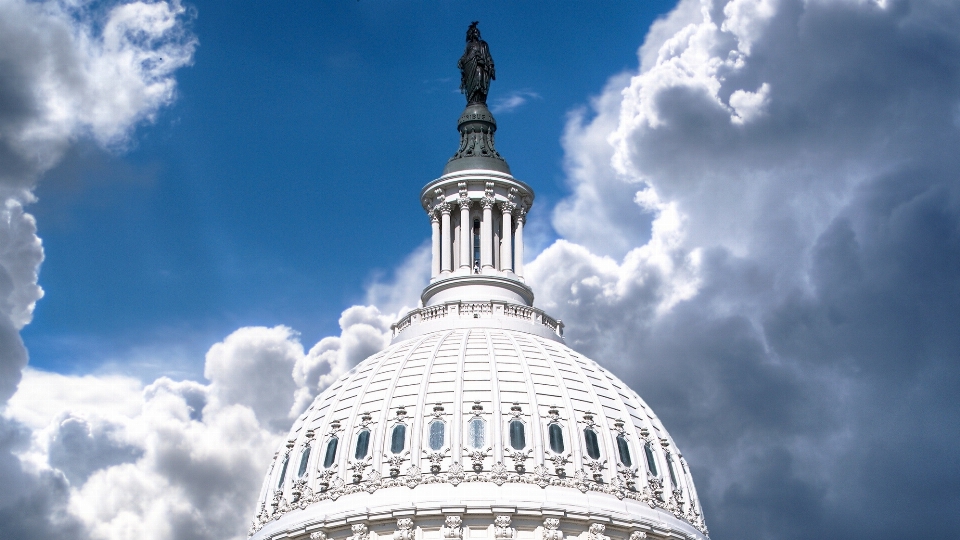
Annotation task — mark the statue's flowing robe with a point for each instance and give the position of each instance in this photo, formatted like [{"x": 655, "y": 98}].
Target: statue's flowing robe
[{"x": 476, "y": 71}]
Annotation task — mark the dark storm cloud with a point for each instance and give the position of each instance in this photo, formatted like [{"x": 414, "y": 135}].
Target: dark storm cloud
[{"x": 813, "y": 377}]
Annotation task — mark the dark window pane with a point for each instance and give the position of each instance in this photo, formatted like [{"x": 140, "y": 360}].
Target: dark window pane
[
  {"x": 436, "y": 435},
  {"x": 556, "y": 438},
  {"x": 283, "y": 472},
  {"x": 304, "y": 458},
  {"x": 624, "y": 449},
  {"x": 651, "y": 461},
  {"x": 331, "y": 453},
  {"x": 363, "y": 441},
  {"x": 399, "y": 438},
  {"x": 673, "y": 475},
  {"x": 593, "y": 446},
  {"x": 518, "y": 439},
  {"x": 477, "y": 433}
]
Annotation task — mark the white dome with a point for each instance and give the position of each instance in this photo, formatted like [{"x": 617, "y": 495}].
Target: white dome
[
  {"x": 440, "y": 383},
  {"x": 477, "y": 422}
]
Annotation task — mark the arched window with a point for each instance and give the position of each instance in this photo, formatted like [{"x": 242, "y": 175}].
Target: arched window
[
  {"x": 556, "y": 438},
  {"x": 476, "y": 434},
  {"x": 398, "y": 439},
  {"x": 283, "y": 471},
  {"x": 363, "y": 443},
  {"x": 673, "y": 475},
  {"x": 593, "y": 445},
  {"x": 331, "y": 453},
  {"x": 624, "y": 450},
  {"x": 436, "y": 434},
  {"x": 518, "y": 438},
  {"x": 304, "y": 458},
  {"x": 651, "y": 461}
]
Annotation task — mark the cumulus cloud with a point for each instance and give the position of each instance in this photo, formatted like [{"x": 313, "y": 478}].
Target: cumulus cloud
[
  {"x": 174, "y": 459},
  {"x": 69, "y": 70},
  {"x": 791, "y": 310}
]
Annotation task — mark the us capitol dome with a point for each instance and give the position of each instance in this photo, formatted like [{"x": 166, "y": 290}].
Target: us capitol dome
[{"x": 478, "y": 422}]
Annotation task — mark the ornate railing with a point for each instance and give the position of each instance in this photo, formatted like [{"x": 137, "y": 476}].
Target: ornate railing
[{"x": 477, "y": 310}]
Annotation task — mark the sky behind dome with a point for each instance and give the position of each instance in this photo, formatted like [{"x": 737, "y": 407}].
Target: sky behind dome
[
  {"x": 748, "y": 210},
  {"x": 285, "y": 175}
]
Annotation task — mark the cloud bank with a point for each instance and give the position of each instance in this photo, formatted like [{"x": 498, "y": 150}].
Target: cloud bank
[
  {"x": 791, "y": 311},
  {"x": 68, "y": 70}
]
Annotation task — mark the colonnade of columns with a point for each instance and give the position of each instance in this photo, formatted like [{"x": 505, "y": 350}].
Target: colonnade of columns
[{"x": 511, "y": 243}]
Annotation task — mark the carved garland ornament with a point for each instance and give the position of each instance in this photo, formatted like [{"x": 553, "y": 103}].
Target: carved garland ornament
[{"x": 456, "y": 475}]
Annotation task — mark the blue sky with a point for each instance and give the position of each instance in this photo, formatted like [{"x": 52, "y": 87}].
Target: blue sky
[
  {"x": 748, "y": 210},
  {"x": 285, "y": 175}
]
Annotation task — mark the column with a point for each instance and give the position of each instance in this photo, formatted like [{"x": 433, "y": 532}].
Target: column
[
  {"x": 466, "y": 235},
  {"x": 446, "y": 243},
  {"x": 435, "y": 261},
  {"x": 486, "y": 235},
  {"x": 506, "y": 247},
  {"x": 518, "y": 238}
]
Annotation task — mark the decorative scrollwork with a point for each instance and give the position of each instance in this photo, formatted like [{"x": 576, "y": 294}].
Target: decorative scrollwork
[
  {"x": 550, "y": 529},
  {"x": 595, "y": 532},
  {"x": 519, "y": 458},
  {"x": 502, "y": 529},
  {"x": 360, "y": 532},
  {"x": 404, "y": 529},
  {"x": 452, "y": 528}
]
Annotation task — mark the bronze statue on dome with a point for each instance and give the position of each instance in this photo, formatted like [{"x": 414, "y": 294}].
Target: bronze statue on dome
[{"x": 476, "y": 67}]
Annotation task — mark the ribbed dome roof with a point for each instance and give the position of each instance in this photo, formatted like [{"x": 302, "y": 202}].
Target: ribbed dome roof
[{"x": 612, "y": 457}]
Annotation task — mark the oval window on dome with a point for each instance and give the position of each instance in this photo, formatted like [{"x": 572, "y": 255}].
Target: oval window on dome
[
  {"x": 651, "y": 461},
  {"x": 304, "y": 458},
  {"x": 436, "y": 434},
  {"x": 363, "y": 444},
  {"x": 398, "y": 438},
  {"x": 555, "y": 433},
  {"x": 477, "y": 433},
  {"x": 283, "y": 471},
  {"x": 623, "y": 448},
  {"x": 593, "y": 445},
  {"x": 673, "y": 474},
  {"x": 331, "y": 453},
  {"x": 518, "y": 437}
]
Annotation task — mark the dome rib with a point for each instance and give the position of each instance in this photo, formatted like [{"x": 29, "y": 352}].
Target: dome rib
[
  {"x": 571, "y": 431},
  {"x": 379, "y": 434},
  {"x": 416, "y": 437},
  {"x": 536, "y": 417}
]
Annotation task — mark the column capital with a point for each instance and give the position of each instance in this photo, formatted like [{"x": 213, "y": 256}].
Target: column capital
[
  {"x": 507, "y": 207},
  {"x": 464, "y": 202},
  {"x": 521, "y": 214},
  {"x": 434, "y": 216},
  {"x": 487, "y": 202},
  {"x": 442, "y": 208}
]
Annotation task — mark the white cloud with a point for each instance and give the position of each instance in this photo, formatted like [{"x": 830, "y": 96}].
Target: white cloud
[
  {"x": 182, "y": 459},
  {"x": 801, "y": 160},
  {"x": 513, "y": 101}
]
